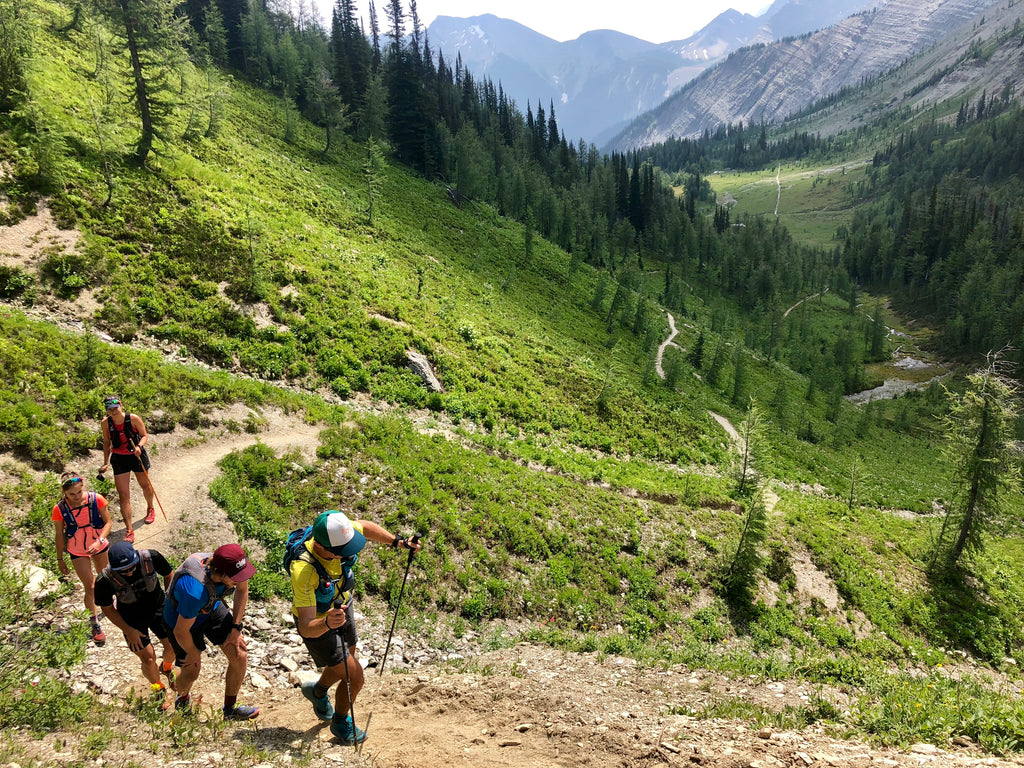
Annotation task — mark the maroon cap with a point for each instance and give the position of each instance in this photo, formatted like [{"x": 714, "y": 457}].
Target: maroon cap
[{"x": 230, "y": 560}]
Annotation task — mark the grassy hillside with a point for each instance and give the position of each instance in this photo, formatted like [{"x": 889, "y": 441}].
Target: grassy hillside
[{"x": 254, "y": 256}]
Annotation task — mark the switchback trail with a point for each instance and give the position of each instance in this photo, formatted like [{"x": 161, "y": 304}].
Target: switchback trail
[
  {"x": 806, "y": 298},
  {"x": 661, "y": 349},
  {"x": 778, "y": 184}
]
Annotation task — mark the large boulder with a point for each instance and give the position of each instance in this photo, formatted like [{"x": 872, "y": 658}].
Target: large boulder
[{"x": 420, "y": 365}]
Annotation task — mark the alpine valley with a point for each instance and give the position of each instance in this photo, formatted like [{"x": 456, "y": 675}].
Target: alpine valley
[{"x": 712, "y": 438}]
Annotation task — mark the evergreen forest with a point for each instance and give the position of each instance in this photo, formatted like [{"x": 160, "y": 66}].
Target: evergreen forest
[{"x": 645, "y": 433}]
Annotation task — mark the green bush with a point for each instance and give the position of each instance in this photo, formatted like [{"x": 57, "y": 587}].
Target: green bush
[
  {"x": 29, "y": 697},
  {"x": 13, "y": 281},
  {"x": 68, "y": 272}
]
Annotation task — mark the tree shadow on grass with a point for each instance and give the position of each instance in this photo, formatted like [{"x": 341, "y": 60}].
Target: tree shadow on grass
[{"x": 966, "y": 616}]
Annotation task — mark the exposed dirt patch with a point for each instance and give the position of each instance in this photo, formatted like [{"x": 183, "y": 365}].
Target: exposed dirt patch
[
  {"x": 519, "y": 707},
  {"x": 812, "y": 584},
  {"x": 672, "y": 332},
  {"x": 734, "y": 437},
  {"x": 259, "y": 312},
  {"x": 26, "y": 243}
]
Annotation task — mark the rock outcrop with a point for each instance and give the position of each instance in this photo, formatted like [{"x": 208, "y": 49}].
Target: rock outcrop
[
  {"x": 420, "y": 365},
  {"x": 772, "y": 82}
]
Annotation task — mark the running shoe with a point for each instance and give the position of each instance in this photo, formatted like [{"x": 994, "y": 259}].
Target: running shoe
[
  {"x": 98, "y": 635},
  {"x": 241, "y": 712},
  {"x": 167, "y": 670},
  {"x": 130, "y": 536},
  {"x": 150, "y": 516},
  {"x": 321, "y": 706},
  {"x": 344, "y": 732}
]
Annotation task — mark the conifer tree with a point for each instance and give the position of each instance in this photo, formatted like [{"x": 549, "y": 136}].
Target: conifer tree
[
  {"x": 373, "y": 172},
  {"x": 15, "y": 38},
  {"x": 375, "y": 37},
  {"x": 753, "y": 431},
  {"x": 696, "y": 356},
  {"x": 216, "y": 34},
  {"x": 154, "y": 35},
  {"x": 980, "y": 448},
  {"x": 326, "y": 108},
  {"x": 714, "y": 375},
  {"x": 373, "y": 113},
  {"x": 396, "y": 16},
  {"x": 600, "y": 291},
  {"x": 878, "y": 333},
  {"x": 739, "y": 379},
  {"x": 741, "y": 574},
  {"x": 673, "y": 371},
  {"x": 528, "y": 241}
]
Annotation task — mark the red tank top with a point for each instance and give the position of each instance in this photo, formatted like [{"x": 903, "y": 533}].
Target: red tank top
[{"x": 122, "y": 448}]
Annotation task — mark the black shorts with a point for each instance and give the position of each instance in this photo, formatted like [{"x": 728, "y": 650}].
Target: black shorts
[
  {"x": 216, "y": 629},
  {"x": 122, "y": 463},
  {"x": 143, "y": 623},
  {"x": 328, "y": 649},
  {"x": 76, "y": 557}
]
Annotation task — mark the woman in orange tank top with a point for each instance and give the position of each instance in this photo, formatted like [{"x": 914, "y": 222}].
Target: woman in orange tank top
[{"x": 82, "y": 533}]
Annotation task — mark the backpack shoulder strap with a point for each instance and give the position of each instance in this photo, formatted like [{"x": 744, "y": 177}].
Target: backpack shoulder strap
[
  {"x": 94, "y": 511},
  {"x": 308, "y": 557},
  {"x": 70, "y": 524},
  {"x": 129, "y": 430},
  {"x": 115, "y": 578}
]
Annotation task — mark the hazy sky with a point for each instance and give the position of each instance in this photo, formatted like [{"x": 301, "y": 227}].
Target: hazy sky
[{"x": 656, "y": 21}]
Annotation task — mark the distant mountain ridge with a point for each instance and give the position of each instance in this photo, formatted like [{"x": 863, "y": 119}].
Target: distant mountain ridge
[
  {"x": 773, "y": 81},
  {"x": 603, "y": 79}
]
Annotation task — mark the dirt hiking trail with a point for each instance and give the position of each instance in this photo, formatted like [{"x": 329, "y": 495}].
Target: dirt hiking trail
[
  {"x": 184, "y": 465},
  {"x": 525, "y": 706}
]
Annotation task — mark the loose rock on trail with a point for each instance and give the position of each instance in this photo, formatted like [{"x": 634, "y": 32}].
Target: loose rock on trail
[{"x": 443, "y": 701}]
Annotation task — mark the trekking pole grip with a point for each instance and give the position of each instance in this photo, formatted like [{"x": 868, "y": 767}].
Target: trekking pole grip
[{"x": 412, "y": 544}]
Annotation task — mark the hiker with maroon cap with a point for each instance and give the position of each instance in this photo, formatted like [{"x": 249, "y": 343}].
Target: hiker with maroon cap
[
  {"x": 130, "y": 593},
  {"x": 124, "y": 449},
  {"x": 320, "y": 559},
  {"x": 195, "y": 612},
  {"x": 81, "y": 525}
]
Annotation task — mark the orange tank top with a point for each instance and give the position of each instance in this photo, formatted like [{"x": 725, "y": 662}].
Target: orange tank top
[{"x": 78, "y": 544}]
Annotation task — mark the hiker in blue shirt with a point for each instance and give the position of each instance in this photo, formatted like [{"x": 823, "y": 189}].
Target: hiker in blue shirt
[{"x": 195, "y": 612}]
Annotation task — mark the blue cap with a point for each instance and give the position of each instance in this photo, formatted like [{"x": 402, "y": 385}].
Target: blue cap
[{"x": 122, "y": 556}]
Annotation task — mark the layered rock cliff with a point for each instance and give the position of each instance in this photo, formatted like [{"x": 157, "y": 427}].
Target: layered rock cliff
[{"x": 771, "y": 82}]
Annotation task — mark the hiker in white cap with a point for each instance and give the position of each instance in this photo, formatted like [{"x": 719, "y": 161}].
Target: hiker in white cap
[{"x": 320, "y": 559}]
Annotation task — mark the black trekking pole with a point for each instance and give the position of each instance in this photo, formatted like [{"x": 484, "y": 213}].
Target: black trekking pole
[
  {"x": 412, "y": 551},
  {"x": 348, "y": 680}
]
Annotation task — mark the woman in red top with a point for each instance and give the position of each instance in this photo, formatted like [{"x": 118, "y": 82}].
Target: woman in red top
[
  {"x": 81, "y": 525},
  {"x": 127, "y": 454}
]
